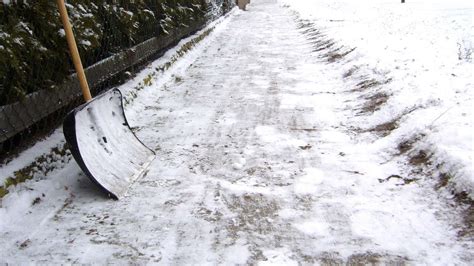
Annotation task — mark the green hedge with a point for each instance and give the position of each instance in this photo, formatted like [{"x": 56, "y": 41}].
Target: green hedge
[{"x": 33, "y": 49}]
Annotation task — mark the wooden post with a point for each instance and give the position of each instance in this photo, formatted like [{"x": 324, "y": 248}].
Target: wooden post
[
  {"x": 76, "y": 59},
  {"x": 242, "y": 4}
]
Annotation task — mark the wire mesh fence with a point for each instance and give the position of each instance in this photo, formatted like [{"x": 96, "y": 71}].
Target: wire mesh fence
[{"x": 38, "y": 87}]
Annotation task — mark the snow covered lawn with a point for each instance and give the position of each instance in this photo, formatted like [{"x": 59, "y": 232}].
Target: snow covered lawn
[
  {"x": 270, "y": 151},
  {"x": 421, "y": 57}
]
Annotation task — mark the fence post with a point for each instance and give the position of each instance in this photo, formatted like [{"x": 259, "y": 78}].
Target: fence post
[{"x": 242, "y": 4}]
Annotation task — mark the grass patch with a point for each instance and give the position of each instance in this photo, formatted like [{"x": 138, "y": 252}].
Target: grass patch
[
  {"x": 463, "y": 199},
  {"x": 305, "y": 25},
  {"x": 350, "y": 72},
  {"x": 366, "y": 84},
  {"x": 338, "y": 54},
  {"x": 407, "y": 145},
  {"x": 374, "y": 102},
  {"x": 443, "y": 180},
  {"x": 43, "y": 164},
  {"x": 420, "y": 158},
  {"x": 148, "y": 81},
  {"x": 385, "y": 129},
  {"x": 321, "y": 42},
  {"x": 468, "y": 214},
  {"x": 320, "y": 45}
]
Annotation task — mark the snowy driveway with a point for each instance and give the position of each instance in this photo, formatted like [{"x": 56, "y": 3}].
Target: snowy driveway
[{"x": 254, "y": 165}]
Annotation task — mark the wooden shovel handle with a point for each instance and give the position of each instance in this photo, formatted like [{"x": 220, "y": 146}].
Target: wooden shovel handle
[{"x": 76, "y": 59}]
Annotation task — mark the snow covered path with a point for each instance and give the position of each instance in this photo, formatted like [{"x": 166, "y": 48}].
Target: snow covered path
[{"x": 255, "y": 163}]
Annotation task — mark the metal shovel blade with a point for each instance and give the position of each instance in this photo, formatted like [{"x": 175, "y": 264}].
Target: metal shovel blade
[{"x": 103, "y": 144}]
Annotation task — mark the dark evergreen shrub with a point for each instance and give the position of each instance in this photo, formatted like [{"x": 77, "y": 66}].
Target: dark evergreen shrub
[{"x": 33, "y": 50}]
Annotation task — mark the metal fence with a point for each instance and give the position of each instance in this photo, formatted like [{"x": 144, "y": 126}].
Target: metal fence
[{"x": 23, "y": 122}]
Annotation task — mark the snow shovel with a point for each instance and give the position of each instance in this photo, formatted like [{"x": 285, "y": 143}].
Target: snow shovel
[{"x": 99, "y": 136}]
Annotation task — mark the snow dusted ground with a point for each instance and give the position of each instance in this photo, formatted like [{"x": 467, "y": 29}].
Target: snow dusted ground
[{"x": 260, "y": 159}]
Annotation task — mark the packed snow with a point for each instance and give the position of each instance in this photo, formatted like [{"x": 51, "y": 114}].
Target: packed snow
[{"x": 266, "y": 151}]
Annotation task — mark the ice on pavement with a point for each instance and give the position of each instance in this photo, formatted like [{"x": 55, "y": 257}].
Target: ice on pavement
[{"x": 257, "y": 162}]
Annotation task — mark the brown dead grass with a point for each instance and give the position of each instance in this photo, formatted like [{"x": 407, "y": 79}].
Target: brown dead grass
[
  {"x": 369, "y": 83},
  {"x": 366, "y": 84},
  {"x": 350, "y": 72},
  {"x": 462, "y": 199},
  {"x": 334, "y": 56},
  {"x": 321, "y": 45},
  {"x": 385, "y": 129},
  {"x": 374, "y": 102},
  {"x": 405, "y": 146},
  {"x": 422, "y": 158},
  {"x": 468, "y": 215},
  {"x": 321, "y": 42}
]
